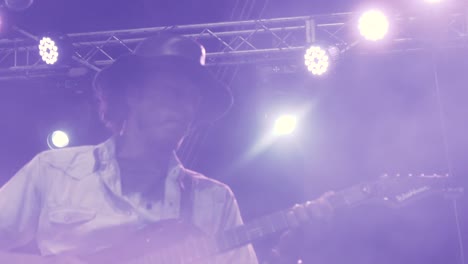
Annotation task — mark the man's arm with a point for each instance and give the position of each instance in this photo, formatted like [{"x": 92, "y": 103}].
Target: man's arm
[{"x": 19, "y": 207}]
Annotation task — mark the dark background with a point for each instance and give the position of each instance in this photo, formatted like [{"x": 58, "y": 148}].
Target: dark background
[{"x": 374, "y": 114}]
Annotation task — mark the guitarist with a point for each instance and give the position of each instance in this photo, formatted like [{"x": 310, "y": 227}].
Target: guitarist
[{"x": 76, "y": 201}]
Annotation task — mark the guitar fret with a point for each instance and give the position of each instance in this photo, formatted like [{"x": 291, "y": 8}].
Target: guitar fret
[{"x": 253, "y": 230}]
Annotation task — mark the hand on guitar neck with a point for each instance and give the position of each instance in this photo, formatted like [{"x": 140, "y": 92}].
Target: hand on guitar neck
[
  {"x": 320, "y": 209},
  {"x": 320, "y": 213}
]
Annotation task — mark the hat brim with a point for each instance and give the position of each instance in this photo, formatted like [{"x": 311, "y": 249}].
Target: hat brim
[{"x": 216, "y": 97}]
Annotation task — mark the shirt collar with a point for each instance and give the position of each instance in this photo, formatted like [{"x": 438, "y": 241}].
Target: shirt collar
[{"x": 105, "y": 155}]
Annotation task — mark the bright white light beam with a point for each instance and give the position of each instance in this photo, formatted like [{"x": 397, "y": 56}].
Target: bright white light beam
[
  {"x": 373, "y": 25},
  {"x": 285, "y": 125}
]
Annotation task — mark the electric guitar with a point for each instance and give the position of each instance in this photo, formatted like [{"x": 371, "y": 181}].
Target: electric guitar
[{"x": 168, "y": 243}]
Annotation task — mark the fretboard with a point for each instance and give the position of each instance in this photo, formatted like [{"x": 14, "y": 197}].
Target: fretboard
[{"x": 245, "y": 234}]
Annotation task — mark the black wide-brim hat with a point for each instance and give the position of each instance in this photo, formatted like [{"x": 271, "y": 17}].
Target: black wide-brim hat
[{"x": 174, "y": 54}]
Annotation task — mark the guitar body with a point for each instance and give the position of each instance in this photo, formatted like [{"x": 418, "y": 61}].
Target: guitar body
[{"x": 165, "y": 242}]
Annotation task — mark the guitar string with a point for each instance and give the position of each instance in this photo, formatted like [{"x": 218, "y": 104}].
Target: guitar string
[{"x": 443, "y": 126}]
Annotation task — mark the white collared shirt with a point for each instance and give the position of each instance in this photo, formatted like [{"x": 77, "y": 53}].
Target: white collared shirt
[{"x": 70, "y": 201}]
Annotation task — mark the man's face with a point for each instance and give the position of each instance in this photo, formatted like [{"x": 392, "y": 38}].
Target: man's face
[{"x": 164, "y": 109}]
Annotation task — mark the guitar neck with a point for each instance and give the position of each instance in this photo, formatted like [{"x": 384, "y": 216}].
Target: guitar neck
[
  {"x": 254, "y": 230},
  {"x": 283, "y": 220}
]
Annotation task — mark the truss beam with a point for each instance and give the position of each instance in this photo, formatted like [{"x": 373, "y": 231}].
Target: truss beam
[{"x": 227, "y": 43}]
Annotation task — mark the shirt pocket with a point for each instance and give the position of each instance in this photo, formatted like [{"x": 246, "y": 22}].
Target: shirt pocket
[{"x": 71, "y": 215}]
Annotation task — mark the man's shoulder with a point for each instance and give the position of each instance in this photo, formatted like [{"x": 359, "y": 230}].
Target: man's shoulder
[
  {"x": 76, "y": 162},
  {"x": 204, "y": 183},
  {"x": 65, "y": 155}
]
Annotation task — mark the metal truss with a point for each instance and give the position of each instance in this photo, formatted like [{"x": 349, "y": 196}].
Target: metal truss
[{"x": 230, "y": 43}]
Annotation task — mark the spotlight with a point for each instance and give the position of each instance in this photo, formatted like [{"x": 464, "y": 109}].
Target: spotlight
[
  {"x": 58, "y": 139},
  {"x": 5, "y": 22},
  {"x": 285, "y": 125},
  {"x": 55, "y": 49},
  {"x": 373, "y": 25},
  {"x": 48, "y": 50},
  {"x": 318, "y": 59}
]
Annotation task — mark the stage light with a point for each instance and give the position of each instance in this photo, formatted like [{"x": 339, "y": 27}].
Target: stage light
[
  {"x": 58, "y": 139},
  {"x": 373, "y": 25},
  {"x": 4, "y": 22},
  {"x": 48, "y": 50},
  {"x": 285, "y": 124},
  {"x": 56, "y": 48},
  {"x": 317, "y": 60}
]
